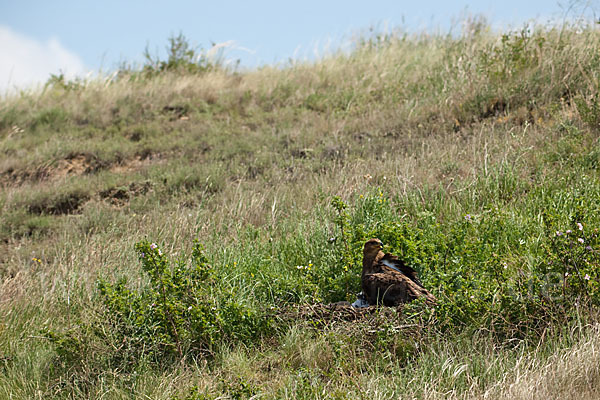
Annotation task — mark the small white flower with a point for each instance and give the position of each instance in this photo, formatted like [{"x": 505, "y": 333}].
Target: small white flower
[
  {"x": 566, "y": 274},
  {"x": 586, "y": 277},
  {"x": 568, "y": 231},
  {"x": 580, "y": 240},
  {"x": 190, "y": 308},
  {"x": 153, "y": 246},
  {"x": 159, "y": 252},
  {"x": 558, "y": 233},
  {"x": 580, "y": 226}
]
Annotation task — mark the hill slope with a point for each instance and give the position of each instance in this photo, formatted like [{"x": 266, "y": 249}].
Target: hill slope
[{"x": 473, "y": 158}]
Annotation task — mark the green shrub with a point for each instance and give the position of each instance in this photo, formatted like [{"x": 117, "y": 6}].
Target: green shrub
[
  {"x": 182, "y": 58},
  {"x": 572, "y": 261},
  {"x": 468, "y": 264},
  {"x": 182, "y": 311},
  {"x": 53, "y": 118},
  {"x": 62, "y": 83}
]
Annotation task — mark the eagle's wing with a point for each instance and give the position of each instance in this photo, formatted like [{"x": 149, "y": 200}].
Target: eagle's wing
[
  {"x": 391, "y": 261},
  {"x": 392, "y": 288}
]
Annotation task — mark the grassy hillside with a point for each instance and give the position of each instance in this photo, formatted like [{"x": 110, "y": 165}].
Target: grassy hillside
[{"x": 171, "y": 232}]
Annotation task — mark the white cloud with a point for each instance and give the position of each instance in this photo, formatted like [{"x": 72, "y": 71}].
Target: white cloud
[{"x": 26, "y": 62}]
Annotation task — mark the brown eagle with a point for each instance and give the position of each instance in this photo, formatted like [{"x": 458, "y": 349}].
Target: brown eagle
[{"x": 388, "y": 280}]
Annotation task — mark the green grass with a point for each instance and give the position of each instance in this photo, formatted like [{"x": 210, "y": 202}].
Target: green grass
[{"x": 465, "y": 155}]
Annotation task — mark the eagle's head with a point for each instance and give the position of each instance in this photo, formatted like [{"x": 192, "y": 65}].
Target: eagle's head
[{"x": 372, "y": 248}]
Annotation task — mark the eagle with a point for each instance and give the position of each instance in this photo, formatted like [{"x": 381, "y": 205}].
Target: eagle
[{"x": 388, "y": 280}]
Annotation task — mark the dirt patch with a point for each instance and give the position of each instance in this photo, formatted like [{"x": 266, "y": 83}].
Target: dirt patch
[
  {"x": 366, "y": 324},
  {"x": 12, "y": 177},
  {"x": 341, "y": 311},
  {"x": 176, "y": 112},
  {"x": 302, "y": 153},
  {"x": 63, "y": 203},
  {"x": 77, "y": 164},
  {"x": 74, "y": 165},
  {"x": 135, "y": 164},
  {"x": 120, "y": 195}
]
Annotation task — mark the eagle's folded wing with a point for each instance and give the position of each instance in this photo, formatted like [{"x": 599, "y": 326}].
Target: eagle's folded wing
[
  {"x": 393, "y": 288},
  {"x": 394, "y": 263}
]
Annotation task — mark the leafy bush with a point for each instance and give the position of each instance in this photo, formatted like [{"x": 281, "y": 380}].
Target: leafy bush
[
  {"x": 182, "y": 57},
  {"x": 467, "y": 263},
  {"x": 573, "y": 262},
  {"x": 182, "y": 311},
  {"x": 54, "y": 117},
  {"x": 63, "y": 83},
  {"x": 515, "y": 53}
]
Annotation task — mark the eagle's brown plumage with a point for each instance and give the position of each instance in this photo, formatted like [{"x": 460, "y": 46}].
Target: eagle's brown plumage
[{"x": 388, "y": 280}]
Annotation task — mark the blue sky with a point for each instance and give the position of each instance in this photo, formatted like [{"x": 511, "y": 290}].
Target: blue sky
[{"x": 42, "y": 37}]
